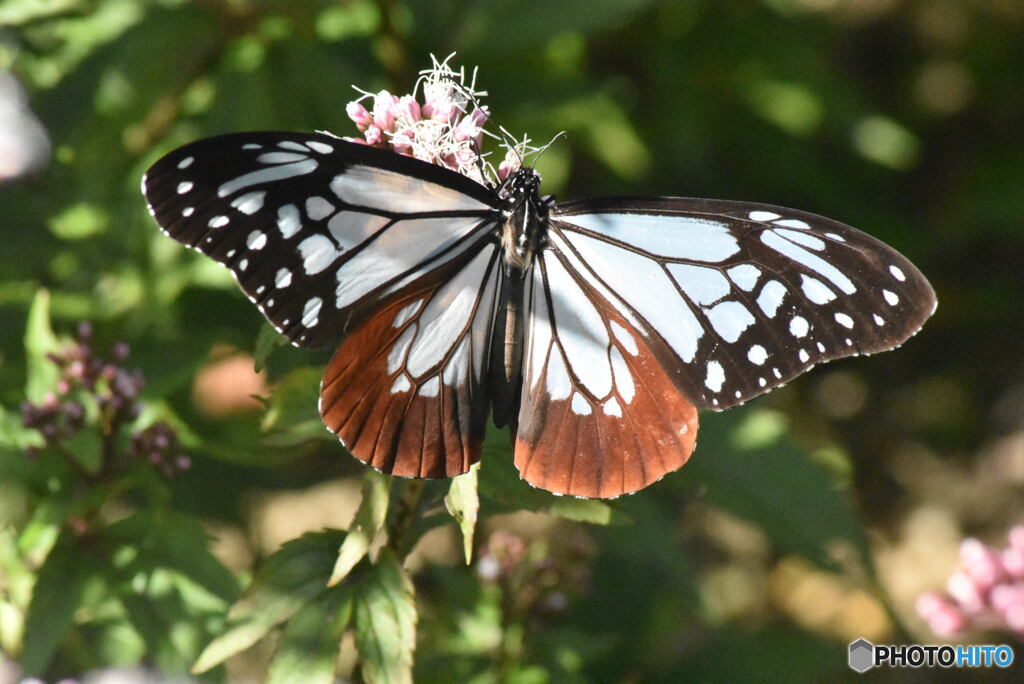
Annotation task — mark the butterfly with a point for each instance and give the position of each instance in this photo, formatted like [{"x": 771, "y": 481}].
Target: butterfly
[{"x": 594, "y": 329}]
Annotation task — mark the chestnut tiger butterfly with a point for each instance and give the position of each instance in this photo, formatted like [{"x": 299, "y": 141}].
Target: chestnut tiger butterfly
[{"x": 595, "y": 329}]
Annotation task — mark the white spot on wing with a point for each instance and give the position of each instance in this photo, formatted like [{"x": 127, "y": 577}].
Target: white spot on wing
[
  {"x": 280, "y": 157},
  {"x": 218, "y": 222},
  {"x": 623, "y": 378},
  {"x": 310, "y": 311},
  {"x": 283, "y": 278},
  {"x": 401, "y": 384},
  {"x": 804, "y": 356},
  {"x": 793, "y": 223},
  {"x": 188, "y": 211},
  {"x": 321, "y": 147},
  {"x": 763, "y": 216},
  {"x": 757, "y": 354},
  {"x": 715, "y": 376},
  {"x": 318, "y": 208},
  {"x": 625, "y": 338},
  {"x": 798, "y": 327},
  {"x": 186, "y": 162},
  {"x": 256, "y": 240},
  {"x": 580, "y": 405},
  {"x": 771, "y": 297},
  {"x": 317, "y": 253},
  {"x": 815, "y": 290},
  {"x": 801, "y": 238},
  {"x": 249, "y": 203},
  {"x": 730, "y": 319},
  {"x": 891, "y": 297},
  {"x": 288, "y": 220},
  {"x": 185, "y": 186},
  {"x": 745, "y": 276},
  {"x": 397, "y": 354},
  {"x": 702, "y": 285},
  {"x": 843, "y": 319},
  {"x": 897, "y": 273},
  {"x": 878, "y": 319},
  {"x": 679, "y": 237},
  {"x": 812, "y": 261},
  {"x": 268, "y": 175},
  {"x": 612, "y": 408},
  {"x": 431, "y": 388}
]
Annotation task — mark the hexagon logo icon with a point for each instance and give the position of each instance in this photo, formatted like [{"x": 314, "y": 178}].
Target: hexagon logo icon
[{"x": 862, "y": 655}]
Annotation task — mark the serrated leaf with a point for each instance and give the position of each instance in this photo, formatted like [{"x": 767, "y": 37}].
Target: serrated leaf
[
  {"x": 385, "y": 619},
  {"x": 309, "y": 645},
  {"x": 267, "y": 341},
  {"x": 297, "y": 573},
  {"x": 369, "y": 519},
  {"x": 463, "y": 503},
  {"x": 40, "y": 340},
  {"x": 56, "y": 596},
  {"x": 174, "y": 541}
]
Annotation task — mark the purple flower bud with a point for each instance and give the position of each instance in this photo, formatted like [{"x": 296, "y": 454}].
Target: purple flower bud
[
  {"x": 121, "y": 351},
  {"x": 63, "y": 386},
  {"x": 983, "y": 563},
  {"x": 357, "y": 112},
  {"x": 85, "y": 331},
  {"x": 383, "y": 117},
  {"x": 50, "y": 401},
  {"x": 183, "y": 462}
]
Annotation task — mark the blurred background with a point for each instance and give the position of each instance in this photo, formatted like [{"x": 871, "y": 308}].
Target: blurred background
[{"x": 807, "y": 519}]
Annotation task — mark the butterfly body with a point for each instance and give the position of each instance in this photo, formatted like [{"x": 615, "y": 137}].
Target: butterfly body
[{"x": 594, "y": 329}]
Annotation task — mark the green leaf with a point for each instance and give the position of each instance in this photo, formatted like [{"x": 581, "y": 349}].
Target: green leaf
[
  {"x": 768, "y": 480},
  {"x": 309, "y": 646},
  {"x": 293, "y": 400},
  {"x": 55, "y": 598},
  {"x": 369, "y": 519},
  {"x": 86, "y": 447},
  {"x": 267, "y": 340},
  {"x": 294, "y": 575},
  {"x": 463, "y": 503},
  {"x": 385, "y": 615},
  {"x": 40, "y": 340},
  {"x": 178, "y": 542}
]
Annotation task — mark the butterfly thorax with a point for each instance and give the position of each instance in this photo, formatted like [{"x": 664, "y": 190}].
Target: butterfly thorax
[{"x": 526, "y": 217}]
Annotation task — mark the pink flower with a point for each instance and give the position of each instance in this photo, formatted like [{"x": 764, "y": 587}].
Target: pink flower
[
  {"x": 407, "y": 109},
  {"x": 357, "y": 112},
  {"x": 373, "y": 135},
  {"x": 383, "y": 116},
  {"x": 983, "y": 563}
]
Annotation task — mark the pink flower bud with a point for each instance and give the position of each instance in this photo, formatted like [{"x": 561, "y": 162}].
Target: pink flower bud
[
  {"x": 383, "y": 118},
  {"x": 1013, "y": 562},
  {"x": 948, "y": 621},
  {"x": 402, "y": 141},
  {"x": 441, "y": 110},
  {"x": 465, "y": 157},
  {"x": 407, "y": 109},
  {"x": 1016, "y": 537},
  {"x": 1004, "y": 595},
  {"x": 964, "y": 590},
  {"x": 1014, "y": 616},
  {"x": 357, "y": 141},
  {"x": 357, "y": 112},
  {"x": 373, "y": 135},
  {"x": 983, "y": 563},
  {"x": 929, "y": 603}
]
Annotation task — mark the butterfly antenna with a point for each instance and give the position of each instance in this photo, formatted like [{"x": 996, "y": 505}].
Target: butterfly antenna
[{"x": 542, "y": 150}]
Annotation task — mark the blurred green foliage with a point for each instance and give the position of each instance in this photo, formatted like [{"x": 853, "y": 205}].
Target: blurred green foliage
[{"x": 901, "y": 117}]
